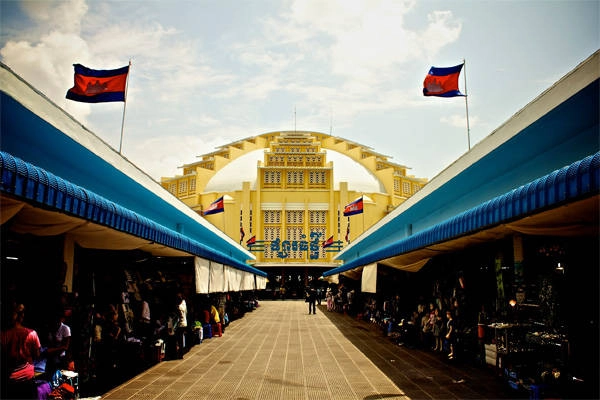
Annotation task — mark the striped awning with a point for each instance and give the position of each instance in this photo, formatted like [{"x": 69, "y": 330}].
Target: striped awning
[
  {"x": 569, "y": 184},
  {"x": 38, "y": 187}
]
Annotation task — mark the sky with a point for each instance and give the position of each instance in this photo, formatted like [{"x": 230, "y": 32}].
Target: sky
[{"x": 207, "y": 73}]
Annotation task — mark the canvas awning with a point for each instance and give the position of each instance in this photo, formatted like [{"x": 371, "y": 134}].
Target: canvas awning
[
  {"x": 38, "y": 202},
  {"x": 562, "y": 203}
]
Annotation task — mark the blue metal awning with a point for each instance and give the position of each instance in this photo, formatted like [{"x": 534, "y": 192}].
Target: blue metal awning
[
  {"x": 571, "y": 183},
  {"x": 42, "y": 188}
]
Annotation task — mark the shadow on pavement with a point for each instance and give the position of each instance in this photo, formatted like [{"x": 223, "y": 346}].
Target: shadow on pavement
[{"x": 418, "y": 373}]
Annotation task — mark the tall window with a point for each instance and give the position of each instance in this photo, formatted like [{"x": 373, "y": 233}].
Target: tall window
[
  {"x": 318, "y": 224},
  {"x": 271, "y": 233},
  {"x": 406, "y": 187},
  {"x": 317, "y": 177},
  {"x": 318, "y": 217},
  {"x": 322, "y": 231},
  {"x": 272, "y": 230},
  {"x": 272, "y": 178},
  {"x": 295, "y": 177},
  {"x": 272, "y": 217},
  {"x": 294, "y": 230}
]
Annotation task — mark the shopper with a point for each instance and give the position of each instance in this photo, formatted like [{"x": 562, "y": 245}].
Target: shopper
[
  {"x": 329, "y": 298},
  {"x": 181, "y": 328},
  {"x": 311, "y": 299},
  {"x": 58, "y": 349},
  {"x": 450, "y": 333},
  {"x": 438, "y": 326},
  {"x": 20, "y": 348}
]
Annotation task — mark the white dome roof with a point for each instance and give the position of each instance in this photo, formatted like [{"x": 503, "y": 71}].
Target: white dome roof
[{"x": 243, "y": 169}]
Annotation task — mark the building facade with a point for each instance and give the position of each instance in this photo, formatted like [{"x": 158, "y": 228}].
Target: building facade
[{"x": 284, "y": 195}]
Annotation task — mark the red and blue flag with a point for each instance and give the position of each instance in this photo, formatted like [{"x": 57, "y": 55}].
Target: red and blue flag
[
  {"x": 251, "y": 241},
  {"x": 442, "y": 82},
  {"x": 215, "y": 207},
  {"x": 356, "y": 207},
  {"x": 328, "y": 242},
  {"x": 98, "y": 86}
]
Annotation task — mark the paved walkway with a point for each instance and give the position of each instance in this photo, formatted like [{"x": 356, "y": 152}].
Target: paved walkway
[{"x": 279, "y": 351}]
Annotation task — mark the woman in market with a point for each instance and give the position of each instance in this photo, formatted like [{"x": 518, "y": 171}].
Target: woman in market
[
  {"x": 450, "y": 333},
  {"x": 20, "y": 348}
]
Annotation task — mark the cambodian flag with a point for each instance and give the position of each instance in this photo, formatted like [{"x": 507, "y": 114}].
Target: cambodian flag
[
  {"x": 328, "y": 242},
  {"x": 98, "y": 86},
  {"x": 356, "y": 207},
  {"x": 442, "y": 82},
  {"x": 215, "y": 207},
  {"x": 251, "y": 241}
]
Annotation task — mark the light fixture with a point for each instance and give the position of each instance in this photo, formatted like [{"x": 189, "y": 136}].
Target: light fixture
[
  {"x": 560, "y": 268},
  {"x": 512, "y": 302}
]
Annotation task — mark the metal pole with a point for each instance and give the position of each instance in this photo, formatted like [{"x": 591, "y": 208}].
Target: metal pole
[
  {"x": 467, "y": 104},
  {"x": 124, "y": 106}
]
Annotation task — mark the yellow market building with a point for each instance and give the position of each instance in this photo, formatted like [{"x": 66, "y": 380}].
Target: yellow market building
[{"x": 284, "y": 194}]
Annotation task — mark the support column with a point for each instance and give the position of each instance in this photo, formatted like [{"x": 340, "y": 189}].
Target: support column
[
  {"x": 69, "y": 261},
  {"x": 519, "y": 286}
]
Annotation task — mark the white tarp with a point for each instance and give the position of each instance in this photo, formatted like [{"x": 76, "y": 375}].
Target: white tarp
[
  {"x": 202, "y": 268},
  {"x": 233, "y": 279},
  {"x": 369, "y": 278},
  {"x": 248, "y": 281},
  {"x": 217, "y": 278},
  {"x": 261, "y": 282}
]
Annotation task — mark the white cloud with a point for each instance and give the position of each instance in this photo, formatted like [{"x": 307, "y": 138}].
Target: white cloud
[
  {"x": 62, "y": 15},
  {"x": 460, "y": 121},
  {"x": 334, "y": 59}
]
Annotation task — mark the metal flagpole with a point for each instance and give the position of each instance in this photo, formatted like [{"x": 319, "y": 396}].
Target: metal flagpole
[
  {"x": 124, "y": 105},
  {"x": 467, "y": 104},
  {"x": 363, "y": 211}
]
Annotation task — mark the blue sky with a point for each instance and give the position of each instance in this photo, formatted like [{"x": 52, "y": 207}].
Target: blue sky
[{"x": 206, "y": 73}]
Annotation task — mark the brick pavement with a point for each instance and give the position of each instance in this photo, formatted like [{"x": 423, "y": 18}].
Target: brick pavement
[{"x": 279, "y": 351}]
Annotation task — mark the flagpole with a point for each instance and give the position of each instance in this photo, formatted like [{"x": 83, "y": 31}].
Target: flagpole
[
  {"x": 363, "y": 211},
  {"x": 467, "y": 104},
  {"x": 124, "y": 106}
]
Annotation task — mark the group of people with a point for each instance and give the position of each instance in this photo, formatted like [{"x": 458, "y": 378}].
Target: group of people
[
  {"x": 435, "y": 330},
  {"x": 340, "y": 299},
  {"x": 24, "y": 350}
]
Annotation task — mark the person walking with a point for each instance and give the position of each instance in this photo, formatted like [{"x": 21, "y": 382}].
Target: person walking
[
  {"x": 181, "y": 327},
  {"x": 311, "y": 299},
  {"x": 20, "y": 347}
]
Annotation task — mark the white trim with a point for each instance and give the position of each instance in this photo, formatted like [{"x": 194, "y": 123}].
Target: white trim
[{"x": 271, "y": 206}]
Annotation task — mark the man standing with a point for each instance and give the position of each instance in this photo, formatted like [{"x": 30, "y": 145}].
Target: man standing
[
  {"x": 181, "y": 325},
  {"x": 312, "y": 301}
]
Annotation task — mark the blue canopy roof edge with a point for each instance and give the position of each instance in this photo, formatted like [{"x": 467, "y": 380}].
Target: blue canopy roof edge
[
  {"x": 573, "y": 182},
  {"x": 36, "y": 130},
  {"x": 24, "y": 180}
]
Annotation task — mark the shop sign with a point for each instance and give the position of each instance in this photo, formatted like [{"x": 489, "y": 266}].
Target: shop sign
[{"x": 284, "y": 248}]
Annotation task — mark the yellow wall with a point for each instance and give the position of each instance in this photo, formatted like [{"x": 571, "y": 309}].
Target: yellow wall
[{"x": 298, "y": 198}]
